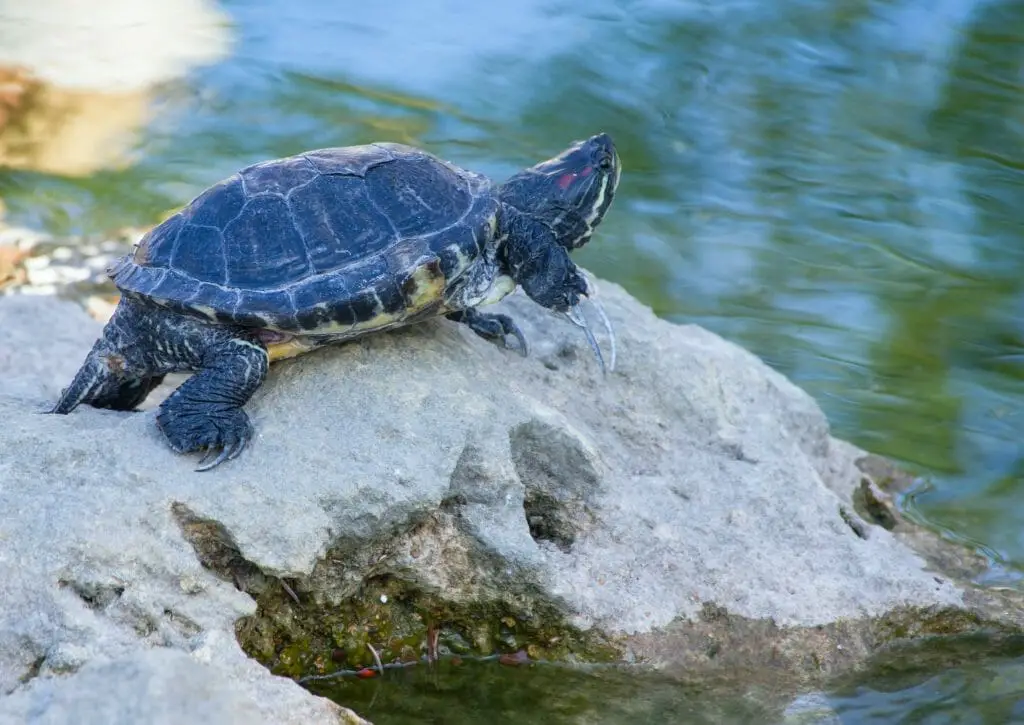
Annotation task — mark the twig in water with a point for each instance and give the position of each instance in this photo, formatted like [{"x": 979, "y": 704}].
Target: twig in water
[
  {"x": 433, "y": 634},
  {"x": 430, "y": 638},
  {"x": 376, "y": 658},
  {"x": 291, "y": 592}
]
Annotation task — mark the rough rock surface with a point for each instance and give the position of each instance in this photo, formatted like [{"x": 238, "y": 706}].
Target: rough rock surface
[
  {"x": 166, "y": 686},
  {"x": 692, "y": 479}
]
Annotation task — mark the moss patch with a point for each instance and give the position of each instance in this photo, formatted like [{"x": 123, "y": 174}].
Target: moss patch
[
  {"x": 400, "y": 622},
  {"x": 330, "y": 620}
]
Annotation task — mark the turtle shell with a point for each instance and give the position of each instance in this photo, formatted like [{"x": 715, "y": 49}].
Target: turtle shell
[{"x": 326, "y": 242}]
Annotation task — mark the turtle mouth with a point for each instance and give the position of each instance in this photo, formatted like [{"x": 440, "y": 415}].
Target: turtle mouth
[{"x": 576, "y": 316}]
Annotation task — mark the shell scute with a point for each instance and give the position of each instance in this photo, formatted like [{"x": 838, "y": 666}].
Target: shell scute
[
  {"x": 263, "y": 309},
  {"x": 313, "y": 301},
  {"x": 338, "y": 208},
  {"x": 157, "y": 246},
  {"x": 423, "y": 287},
  {"x": 218, "y": 205},
  {"x": 460, "y": 248},
  {"x": 278, "y": 177},
  {"x": 262, "y": 247},
  {"x": 419, "y": 196},
  {"x": 353, "y": 160},
  {"x": 203, "y": 256}
]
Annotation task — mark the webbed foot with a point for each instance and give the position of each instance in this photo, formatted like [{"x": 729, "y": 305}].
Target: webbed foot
[
  {"x": 206, "y": 413},
  {"x": 221, "y": 431},
  {"x": 493, "y": 326}
]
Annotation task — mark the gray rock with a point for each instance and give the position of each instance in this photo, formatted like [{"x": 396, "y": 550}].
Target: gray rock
[
  {"x": 693, "y": 479},
  {"x": 32, "y": 368},
  {"x": 164, "y": 686}
]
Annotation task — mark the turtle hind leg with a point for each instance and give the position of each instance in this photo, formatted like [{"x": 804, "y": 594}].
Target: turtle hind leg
[
  {"x": 90, "y": 380},
  {"x": 141, "y": 343},
  {"x": 129, "y": 394},
  {"x": 104, "y": 381},
  {"x": 117, "y": 373},
  {"x": 492, "y": 326},
  {"x": 205, "y": 412}
]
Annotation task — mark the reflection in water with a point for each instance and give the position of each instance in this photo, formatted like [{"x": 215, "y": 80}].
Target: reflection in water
[
  {"x": 470, "y": 693},
  {"x": 908, "y": 690},
  {"x": 76, "y": 78}
]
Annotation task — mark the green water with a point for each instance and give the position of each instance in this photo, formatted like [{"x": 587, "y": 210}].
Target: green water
[
  {"x": 900, "y": 690},
  {"x": 490, "y": 693},
  {"x": 837, "y": 186}
]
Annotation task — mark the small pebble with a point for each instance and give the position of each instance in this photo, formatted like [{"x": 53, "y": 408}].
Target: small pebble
[
  {"x": 55, "y": 275},
  {"x": 46, "y": 289},
  {"x": 72, "y": 274},
  {"x": 23, "y": 238},
  {"x": 99, "y": 262}
]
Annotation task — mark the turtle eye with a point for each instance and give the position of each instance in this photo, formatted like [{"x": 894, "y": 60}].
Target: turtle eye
[{"x": 605, "y": 163}]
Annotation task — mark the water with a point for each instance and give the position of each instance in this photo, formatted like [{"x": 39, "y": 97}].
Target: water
[
  {"x": 897, "y": 692},
  {"x": 837, "y": 186},
  {"x": 473, "y": 693}
]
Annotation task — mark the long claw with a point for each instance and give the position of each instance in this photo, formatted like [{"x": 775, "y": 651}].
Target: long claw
[
  {"x": 224, "y": 454},
  {"x": 237, "y": 449},
  {"x": 607, "y": 328},
  {"x": 524, "y": 349},
  {"x": 211, "y": 451},
  {"x": 575, "y": 315}
]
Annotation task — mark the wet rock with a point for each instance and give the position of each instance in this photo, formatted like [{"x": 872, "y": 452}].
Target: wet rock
[{"x": 423, "y": 491}]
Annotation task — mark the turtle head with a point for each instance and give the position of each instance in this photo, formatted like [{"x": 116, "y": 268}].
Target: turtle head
[
  {"x": 553, "y": 208},
  {"x": 570, "y": 193}
]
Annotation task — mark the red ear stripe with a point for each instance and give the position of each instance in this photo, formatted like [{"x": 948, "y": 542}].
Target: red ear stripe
[{"x": 565, "y": 180}]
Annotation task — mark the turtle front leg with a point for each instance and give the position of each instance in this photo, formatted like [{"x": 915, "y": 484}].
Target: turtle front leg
[
  {"x": 205, "y": 412},
  {"x": 492, "y": 326}
]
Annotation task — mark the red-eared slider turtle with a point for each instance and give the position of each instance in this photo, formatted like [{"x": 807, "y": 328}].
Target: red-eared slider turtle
[{"x": 292, "y": 254}]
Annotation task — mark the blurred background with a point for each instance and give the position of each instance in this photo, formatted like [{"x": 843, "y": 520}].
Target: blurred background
[{"x": 837, "y": 186}]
